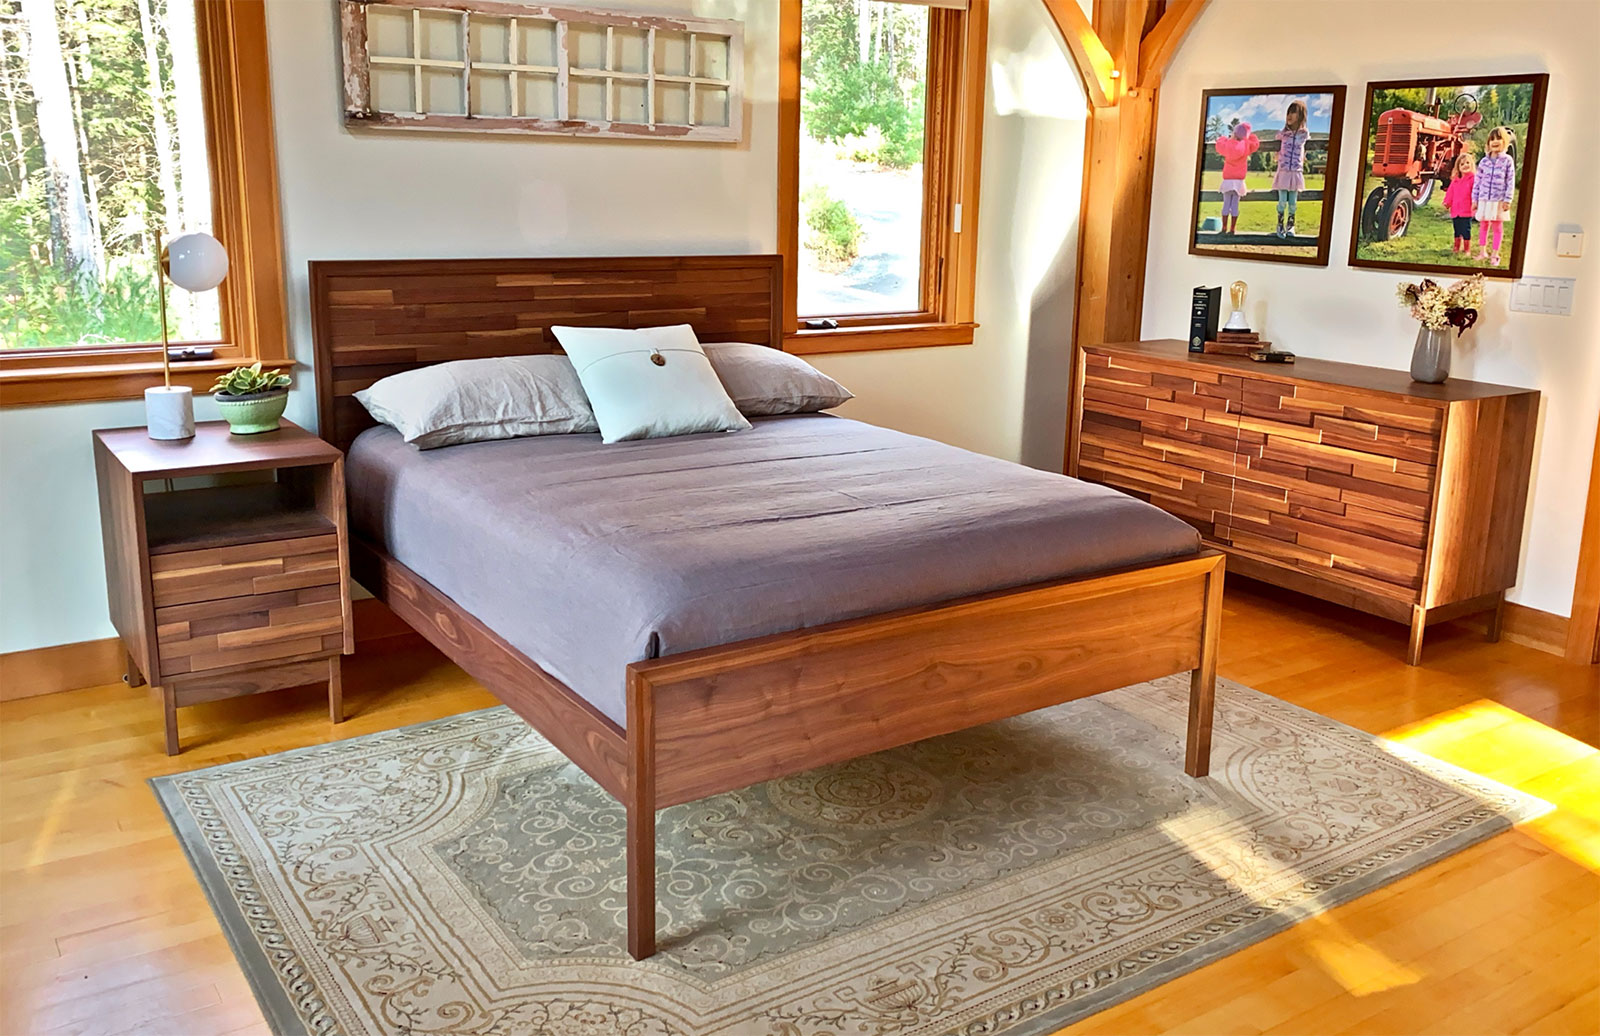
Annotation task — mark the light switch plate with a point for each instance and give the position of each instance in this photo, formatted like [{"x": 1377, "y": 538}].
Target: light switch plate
[{"x": 1551, "y": 295}]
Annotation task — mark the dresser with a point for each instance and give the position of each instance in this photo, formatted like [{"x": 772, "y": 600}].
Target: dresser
[
  {"x": 1353, "y": 484},
  {"x": 226, "y": 563}
]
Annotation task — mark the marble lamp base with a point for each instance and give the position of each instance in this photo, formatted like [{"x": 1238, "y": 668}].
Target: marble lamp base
[{"x": 169, "y": 411}]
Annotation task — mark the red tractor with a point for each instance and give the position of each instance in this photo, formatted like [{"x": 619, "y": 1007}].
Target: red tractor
[{"x": 1410, "y": 153}]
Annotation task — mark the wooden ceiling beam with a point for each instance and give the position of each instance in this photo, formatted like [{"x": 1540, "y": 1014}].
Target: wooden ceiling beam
[
  {"x": 1161, "y": 43},
  {"x": 1089, "y": 55}
]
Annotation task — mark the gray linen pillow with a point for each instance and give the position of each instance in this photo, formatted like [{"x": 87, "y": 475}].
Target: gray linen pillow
[
  {"x": 502, "y": 397},
  {"x": 765, "y": 381}
]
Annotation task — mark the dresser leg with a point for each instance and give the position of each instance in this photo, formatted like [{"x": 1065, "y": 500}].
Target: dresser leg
[
  {"x": 169, "y": 710},
  {"x": 1419, "y": 623},
  {"x": 1496, "y": 617},
  {"x": 130, "y": 672},
  {"x": 335, "y": 690}
]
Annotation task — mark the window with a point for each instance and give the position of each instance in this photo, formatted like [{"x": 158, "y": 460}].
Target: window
[
  {"x": 880, "y": 122},
  {"x": 125, "y": 121},
  {"x": 541, "y": 70}
]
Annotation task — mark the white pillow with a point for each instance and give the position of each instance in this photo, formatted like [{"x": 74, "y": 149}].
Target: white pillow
[
  {"x": 649, "y": 383},
  {"x": 501, "y": 397},
  {"x": 764, "y": 381}
]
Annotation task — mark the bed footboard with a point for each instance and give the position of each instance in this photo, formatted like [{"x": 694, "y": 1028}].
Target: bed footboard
[{"x": 711, "y": 721}]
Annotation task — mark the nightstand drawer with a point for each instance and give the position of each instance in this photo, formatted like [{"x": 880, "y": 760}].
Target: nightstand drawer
[
  {"x": 242, "y": 570},
  {"x": 249, "y": 629}
]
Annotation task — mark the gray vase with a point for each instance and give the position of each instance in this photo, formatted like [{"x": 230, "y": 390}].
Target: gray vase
[{"x": 1430, "y": 361}]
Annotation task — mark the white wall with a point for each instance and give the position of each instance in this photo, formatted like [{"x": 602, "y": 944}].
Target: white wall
[
  {"x": 1347, "y": 314},
  {"x": 362, "y": 195}
]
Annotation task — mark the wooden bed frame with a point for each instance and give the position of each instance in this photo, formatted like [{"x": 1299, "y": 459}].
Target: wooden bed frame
[{"x": 725, "y": 717}]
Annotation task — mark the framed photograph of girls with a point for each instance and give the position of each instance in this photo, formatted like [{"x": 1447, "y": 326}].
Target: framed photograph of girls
[
  {"x": 1265, "y": 174},
  {"x": 1447, "y": 169}
]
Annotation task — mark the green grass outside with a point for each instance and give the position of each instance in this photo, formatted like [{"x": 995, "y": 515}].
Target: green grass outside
[
  {"x": 1258, "y": 212},
  {"x": 1430, "y": 236}
]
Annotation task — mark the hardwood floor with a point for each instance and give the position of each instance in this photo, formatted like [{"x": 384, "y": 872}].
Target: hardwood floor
[{"x": 103, "y": 929}]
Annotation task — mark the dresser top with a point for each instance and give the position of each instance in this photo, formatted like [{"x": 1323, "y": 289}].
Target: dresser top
[{"x": 1325, "y": 372}]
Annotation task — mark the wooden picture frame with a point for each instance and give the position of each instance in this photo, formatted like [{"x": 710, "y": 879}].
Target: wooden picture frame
[
  {"x": 1325, "y": 123},
  {"x": 1383, "y": 194},
  {"x": 487, "y": 66},
  {"x": 728, "y": 716}
]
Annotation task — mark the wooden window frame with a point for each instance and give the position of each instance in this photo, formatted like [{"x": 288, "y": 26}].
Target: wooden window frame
[
  {"x": 953, "y": 145},
  {"x": 359, "y": 104},
  {"x": 232, "y": 47}
]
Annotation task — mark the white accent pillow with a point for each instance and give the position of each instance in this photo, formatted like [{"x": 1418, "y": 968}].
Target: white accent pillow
[
  {"x": 502, "y": 397},
  {"x": 649, "y": 383},
  {"x": 764, "y": 381}
]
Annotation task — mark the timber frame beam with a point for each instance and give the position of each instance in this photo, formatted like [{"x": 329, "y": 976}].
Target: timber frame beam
[{"x": 1120, "y": 56}]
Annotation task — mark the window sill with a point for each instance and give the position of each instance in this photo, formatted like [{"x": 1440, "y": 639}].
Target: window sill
[
  {"x": 885, "y": 336},
  {"x": 81, "y": 383}
]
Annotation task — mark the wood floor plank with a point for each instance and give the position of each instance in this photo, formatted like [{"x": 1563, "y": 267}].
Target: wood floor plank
[{"x": 104, "y": 930}]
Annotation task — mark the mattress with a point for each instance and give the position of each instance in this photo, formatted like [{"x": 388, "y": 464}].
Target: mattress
[{"x": 586, "y": 557}]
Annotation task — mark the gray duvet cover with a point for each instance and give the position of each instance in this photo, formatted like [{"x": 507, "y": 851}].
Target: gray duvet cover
[{"x": 586, "y": 557}]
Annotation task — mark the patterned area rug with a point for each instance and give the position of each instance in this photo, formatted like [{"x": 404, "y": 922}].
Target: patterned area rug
[{"x": 462, "y": 877}]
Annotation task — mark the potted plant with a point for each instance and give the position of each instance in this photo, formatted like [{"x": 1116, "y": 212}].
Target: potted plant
[
  {"x": 1438, "y": 309},
  {"x": 252, "y": 400}
]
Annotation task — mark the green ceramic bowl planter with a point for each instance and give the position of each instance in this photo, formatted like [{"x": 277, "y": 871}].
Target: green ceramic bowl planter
[{"x": 252, "y": 400}]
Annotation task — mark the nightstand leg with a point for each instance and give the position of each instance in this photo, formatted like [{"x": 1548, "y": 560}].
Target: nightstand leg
[
  {"x": 1419, "y": 624},
  {"x": 130, "y": 672},
  {"x": 169, "y": 709},
  {"x": 335, "y": 691}
]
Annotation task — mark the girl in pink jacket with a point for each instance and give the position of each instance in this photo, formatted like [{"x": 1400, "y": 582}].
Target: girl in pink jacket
[
  {"x": 1458, "y": 202},
  {"x": 1235, "y": 149}
]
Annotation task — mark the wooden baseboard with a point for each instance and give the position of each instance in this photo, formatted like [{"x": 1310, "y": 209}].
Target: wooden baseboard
[
  {"x": 92, "y": 663},
  {"x": 64, "y": 667},
  {"x": 1529, "y": 627}
]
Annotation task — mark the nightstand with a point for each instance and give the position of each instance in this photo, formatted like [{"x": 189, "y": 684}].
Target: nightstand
[{"x": 234, "y": 586}]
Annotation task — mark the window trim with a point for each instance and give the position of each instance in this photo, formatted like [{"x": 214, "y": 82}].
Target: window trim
[
  {"x": 232, "y": 47},
  {"x": 955, "y": 128}
]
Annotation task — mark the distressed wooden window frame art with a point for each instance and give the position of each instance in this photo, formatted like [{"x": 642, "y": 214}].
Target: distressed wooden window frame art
[{"x": 492, "y": 67}]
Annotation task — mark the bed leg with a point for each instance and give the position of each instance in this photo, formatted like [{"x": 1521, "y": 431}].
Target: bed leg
[
  {"x": 1203, "y": 679},
  {"x": 641, "y": 807}
]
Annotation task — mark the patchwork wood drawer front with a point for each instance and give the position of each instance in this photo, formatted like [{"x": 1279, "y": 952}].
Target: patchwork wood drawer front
[
  {"x": 239, "y": 571},
  {"x": 1355, "y": 472},
  {"x": 249, "y": 629}
]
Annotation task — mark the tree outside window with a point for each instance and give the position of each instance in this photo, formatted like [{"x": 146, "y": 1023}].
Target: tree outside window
[{"x": 104, "y": 147}]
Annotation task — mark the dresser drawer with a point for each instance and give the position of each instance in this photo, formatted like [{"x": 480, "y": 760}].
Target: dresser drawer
[
  {"x": 240, "y": 571},
  {"x": 252, "y": 628}
]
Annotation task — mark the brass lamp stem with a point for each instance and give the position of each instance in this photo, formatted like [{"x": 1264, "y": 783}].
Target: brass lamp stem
[{"x": 161, "y": 293}]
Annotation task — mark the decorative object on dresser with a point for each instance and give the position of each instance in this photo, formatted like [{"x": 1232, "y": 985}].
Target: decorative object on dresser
[
  {"x": 1438, "y": 309},
  {"x": 1353, "y": 484},
  {"x": 231, "y": 589},
  {"x": 1235, "y": 338},
  {"x": 486, "y": 66}
]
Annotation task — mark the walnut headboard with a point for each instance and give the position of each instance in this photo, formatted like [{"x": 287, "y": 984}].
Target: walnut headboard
[{"x": 375, "y": 317}]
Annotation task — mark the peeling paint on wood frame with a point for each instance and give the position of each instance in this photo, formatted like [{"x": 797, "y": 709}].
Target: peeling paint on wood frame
[{"x": 360, "y": 102}]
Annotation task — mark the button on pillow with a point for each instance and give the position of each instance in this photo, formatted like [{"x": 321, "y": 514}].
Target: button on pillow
[{"x": 649, "y": 383}]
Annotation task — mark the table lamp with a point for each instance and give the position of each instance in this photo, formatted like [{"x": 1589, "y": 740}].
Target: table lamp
[{"x": 194, "y": 262}]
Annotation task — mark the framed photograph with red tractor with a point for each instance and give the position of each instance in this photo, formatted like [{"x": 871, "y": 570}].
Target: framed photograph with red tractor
[
  {"x": 1447, "y": 174},
  {"x": 1265, "y": 174}
]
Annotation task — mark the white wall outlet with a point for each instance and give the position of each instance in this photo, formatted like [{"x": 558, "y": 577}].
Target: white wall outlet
[
  {"x": 1569, "y": 241},
  {"x": 1551, "y": 295}
]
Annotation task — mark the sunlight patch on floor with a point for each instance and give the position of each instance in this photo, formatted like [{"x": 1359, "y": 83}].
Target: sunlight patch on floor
[
  {"x": 1361, "y": 969},
  {"x": 1502, "y": 744}
]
